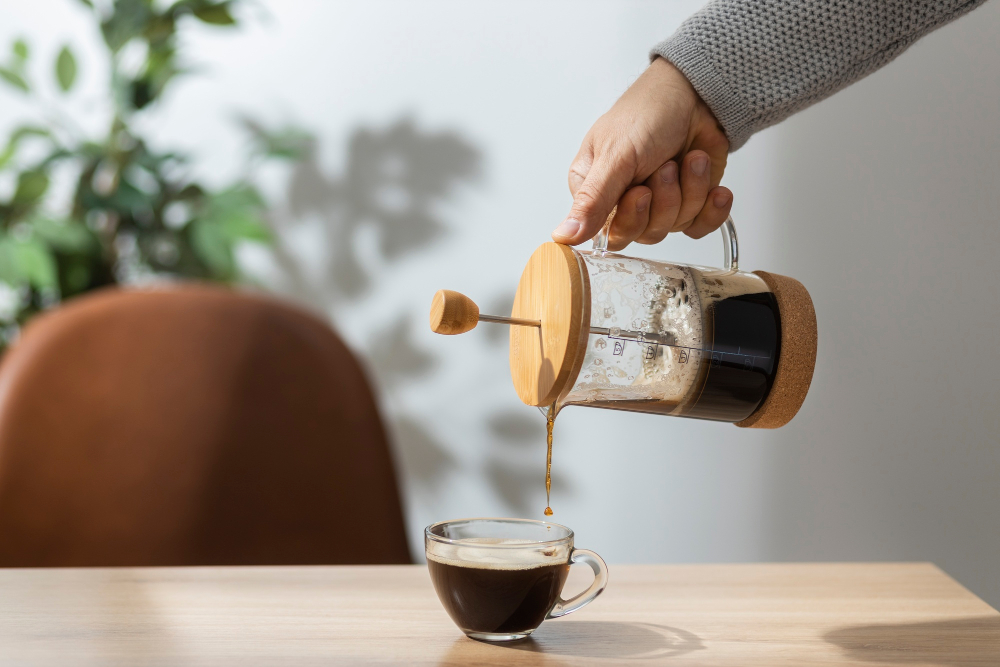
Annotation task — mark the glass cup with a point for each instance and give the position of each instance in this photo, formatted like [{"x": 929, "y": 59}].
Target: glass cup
[{"x": 499, "y": 579}]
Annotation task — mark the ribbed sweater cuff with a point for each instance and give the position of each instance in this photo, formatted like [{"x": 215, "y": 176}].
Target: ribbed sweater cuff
[{"x": 687, "y": 55}]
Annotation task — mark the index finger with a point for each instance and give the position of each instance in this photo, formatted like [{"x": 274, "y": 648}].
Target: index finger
[{"x": 600, "y": 191}]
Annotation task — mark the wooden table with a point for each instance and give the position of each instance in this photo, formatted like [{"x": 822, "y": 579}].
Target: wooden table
[{"x": 781, "y": 614}]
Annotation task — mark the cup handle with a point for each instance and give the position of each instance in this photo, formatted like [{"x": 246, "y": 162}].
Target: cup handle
[{"x": 600, "y": 568}]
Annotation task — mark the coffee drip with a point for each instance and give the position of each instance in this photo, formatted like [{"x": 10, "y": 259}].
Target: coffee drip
[{"x": 550, "y": 422}]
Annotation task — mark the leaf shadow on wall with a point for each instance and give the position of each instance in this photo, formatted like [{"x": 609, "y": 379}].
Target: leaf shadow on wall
[
  {"x": 333, "y": 242},
  {"x": 392, "y": 180}
]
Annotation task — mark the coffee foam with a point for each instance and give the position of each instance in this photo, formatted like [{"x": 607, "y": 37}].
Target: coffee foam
[
  {"x": 468, "y": 553},
  {"x": 633, "y": 295}
]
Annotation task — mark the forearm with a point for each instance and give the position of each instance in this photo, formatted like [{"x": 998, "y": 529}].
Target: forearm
[{"x": 756, "y": 62}]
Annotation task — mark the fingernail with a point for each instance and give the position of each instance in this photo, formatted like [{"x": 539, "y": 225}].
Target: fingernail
[
  {"x": 668, "y": 173},
  {"x": 721, "y": 199},
  {"x": 699, "y": 165},
  {"x": 643, "y": 202},
  {"x": 568, "y": 228}
]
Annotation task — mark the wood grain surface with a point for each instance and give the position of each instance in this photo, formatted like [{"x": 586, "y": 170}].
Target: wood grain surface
[
  {"x": 544, "y": 362},
  {"x": 747, "y": 615},
  {"x": 453, "y": 313}
]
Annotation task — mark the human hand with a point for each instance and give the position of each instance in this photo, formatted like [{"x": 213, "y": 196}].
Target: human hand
[{"x": 630, "y": 157}]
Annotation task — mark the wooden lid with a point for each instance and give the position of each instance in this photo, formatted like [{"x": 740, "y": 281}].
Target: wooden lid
[
  {"x": 553, "y": 289},
  {"x": 797, "y": 358}
]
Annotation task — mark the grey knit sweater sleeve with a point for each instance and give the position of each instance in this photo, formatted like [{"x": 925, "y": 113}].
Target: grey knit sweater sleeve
[{"x": 756, "y": 62}]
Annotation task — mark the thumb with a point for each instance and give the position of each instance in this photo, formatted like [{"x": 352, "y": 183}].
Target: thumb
[{"x": 594, "y": 199}]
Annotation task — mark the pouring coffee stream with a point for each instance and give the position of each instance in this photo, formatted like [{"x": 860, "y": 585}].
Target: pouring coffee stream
[{"x": 600, "y": 329}]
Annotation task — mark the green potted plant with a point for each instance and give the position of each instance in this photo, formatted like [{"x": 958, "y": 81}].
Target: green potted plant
[{"x": 135, "y": 213}]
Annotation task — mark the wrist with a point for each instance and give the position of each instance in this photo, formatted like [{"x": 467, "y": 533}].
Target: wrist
[
  {"x": 670, "y": 81},
  {"x": 673, "y": 83}
]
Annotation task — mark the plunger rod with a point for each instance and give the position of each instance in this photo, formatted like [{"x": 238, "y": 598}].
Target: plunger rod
[
  {"x": 454, "y": 313},
  {"x": 516, "y": 321}
]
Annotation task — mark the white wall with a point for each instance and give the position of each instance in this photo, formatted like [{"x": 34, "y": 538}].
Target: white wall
[
  {"x": 889, "y": 205},
  {"x": 880, "y": 200}
]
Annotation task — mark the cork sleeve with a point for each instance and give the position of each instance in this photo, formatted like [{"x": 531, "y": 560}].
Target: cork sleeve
[{"x": 797, "y": 358}]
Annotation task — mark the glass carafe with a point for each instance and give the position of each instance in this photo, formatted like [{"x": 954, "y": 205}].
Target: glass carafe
[
  {"x": 601, "y": 329},
  {"x": 674, "y": 339}
]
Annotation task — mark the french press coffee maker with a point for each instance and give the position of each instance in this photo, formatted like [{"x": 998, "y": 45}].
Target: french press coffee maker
[{"x": 600, "y": 329}]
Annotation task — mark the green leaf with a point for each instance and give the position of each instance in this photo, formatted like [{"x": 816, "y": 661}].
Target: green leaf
[
  {"x": 15, "y": 139},
  {"x": 141, "y": 94},
  {"x": 76, "y": 276},
  {"x": 289, "y": 142},
  {"x": 211, "y": 246},
  {"x": 9, "y": 271},
  {"x": 89, "y": 3},
  {"x": 20, "y": 50},
  {"x": 31, "y": 185},
  {"x": 128, "y": 198},
  {"x": 159, "y": 30},
  {"x": 36, "y": 264},
  {"x": 246, "y": 227},
  {"x": 27, "y": 261},
  {"x": 66, "y": 236},
  {"x": 128, "y": 20},
  {"x": 191, "y": 192},
  {"x": 238, "y": 197},
  {"x": 14, "y": 79},
  {"x": 214, "y": 14},
  {"x": 30, "y": 130},
  {"x": 231, "y": 216},
  {"x": 65, "y": 69}
]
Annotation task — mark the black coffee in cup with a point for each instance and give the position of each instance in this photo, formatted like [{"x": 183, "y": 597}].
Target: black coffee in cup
[
  {"x": 499, "y": 579},
  {"x": 503, "y": 598}
]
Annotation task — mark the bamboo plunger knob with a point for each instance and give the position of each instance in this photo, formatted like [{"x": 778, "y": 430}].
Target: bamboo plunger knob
[{"x": 453, "y": 313}]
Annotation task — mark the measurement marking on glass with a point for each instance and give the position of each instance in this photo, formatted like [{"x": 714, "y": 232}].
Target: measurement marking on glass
[{"x": 621, "y": 337}]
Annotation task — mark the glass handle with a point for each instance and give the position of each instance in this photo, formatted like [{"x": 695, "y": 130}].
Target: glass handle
[
  {"x": 730, "y": 244},
  {"x": 600, "y": 245},
  {"x": 600, "y": 568}
]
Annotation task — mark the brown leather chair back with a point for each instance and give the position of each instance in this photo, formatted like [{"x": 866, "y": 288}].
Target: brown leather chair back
[{"x": 190, "y": 426}]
